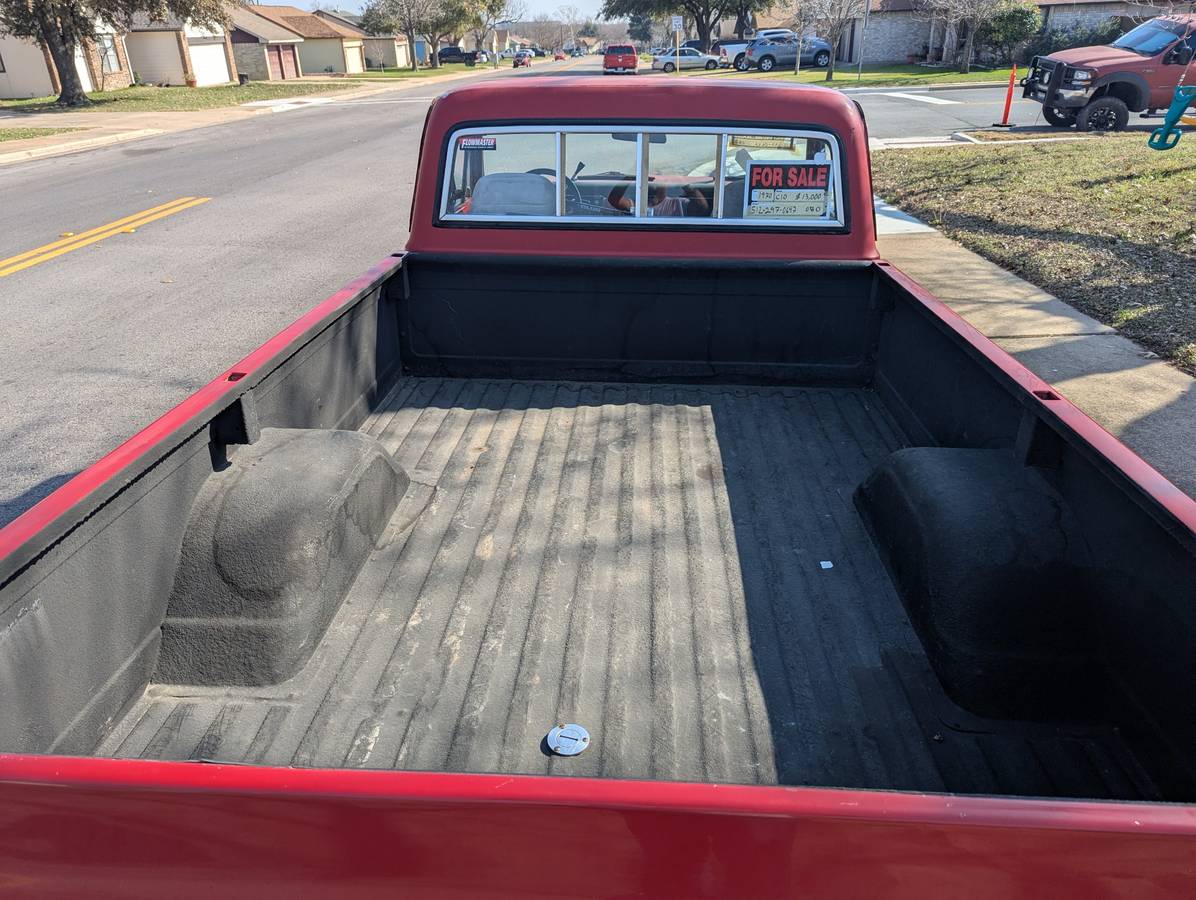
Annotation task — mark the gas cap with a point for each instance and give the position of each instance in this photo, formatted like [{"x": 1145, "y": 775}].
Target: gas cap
[{"x": 567, "y": 740}]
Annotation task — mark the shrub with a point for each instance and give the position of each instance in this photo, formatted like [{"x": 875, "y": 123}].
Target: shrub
[
  {"x": 1016, "y": 21},
  {"x": 1065, "y": 38}
]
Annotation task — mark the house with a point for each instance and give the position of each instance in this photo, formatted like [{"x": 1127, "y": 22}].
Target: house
[
  {"x": 27, "y": 70},
  {"x": 263, "y": 50},
  {"x": 172, "y": 51},
  {"x": 381, "y": 50},
  {"x": 327, "y": 46},
  {"x": 900, "y": 30}
]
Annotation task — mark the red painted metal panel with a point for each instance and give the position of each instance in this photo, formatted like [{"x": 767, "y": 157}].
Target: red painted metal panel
[
  {"x": 122, "y": 828},
  {"x": 1149, "y": 479},
  {"x": 116, "y": 465},
  {"x": 686, "y": 100}
]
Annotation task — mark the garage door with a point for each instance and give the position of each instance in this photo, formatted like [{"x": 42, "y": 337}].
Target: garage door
[
  {"x": 274, "y": 61},
  {"x": 354, "y": 58},
  {"x": 209, "y": 64},
  {"x": 290, "y": 63},
  {"x": 154, "y": 56}
]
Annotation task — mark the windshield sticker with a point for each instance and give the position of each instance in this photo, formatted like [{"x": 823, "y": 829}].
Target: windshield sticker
[
  {"x": 478, "y": 143},
  {"x": 763, "y": 141},
  {"x": 787, "y": 190}
]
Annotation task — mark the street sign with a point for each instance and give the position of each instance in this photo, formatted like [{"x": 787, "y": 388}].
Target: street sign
[{"x": 678, "y": 25}]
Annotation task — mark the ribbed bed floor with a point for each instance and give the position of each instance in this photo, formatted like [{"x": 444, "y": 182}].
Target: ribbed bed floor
[{"x": 681, "y": 570}]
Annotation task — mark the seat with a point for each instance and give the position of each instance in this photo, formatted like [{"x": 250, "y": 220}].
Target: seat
[{"x": 513, "y": 194}]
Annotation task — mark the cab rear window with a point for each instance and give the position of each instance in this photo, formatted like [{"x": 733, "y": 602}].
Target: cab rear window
[
  {"x": 656, "y": 175},
  {"x": 621, "y": 51}
]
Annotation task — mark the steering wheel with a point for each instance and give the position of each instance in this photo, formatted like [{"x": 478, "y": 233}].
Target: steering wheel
[{"x": 570, "y": 186}]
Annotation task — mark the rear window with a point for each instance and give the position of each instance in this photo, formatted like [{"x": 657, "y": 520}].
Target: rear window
[
  {"x": 620, "y": 50},
  {"x": 653, "y": 175}
]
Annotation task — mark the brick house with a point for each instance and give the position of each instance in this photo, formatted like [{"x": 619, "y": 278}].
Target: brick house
[
  {"x": 901, "y": 30},
  {"x": 263, "y": 50},
  {"x": 173, "y": 52},
  {"x": 27, "y": 69},
  {"x": 328, "y": 46}
]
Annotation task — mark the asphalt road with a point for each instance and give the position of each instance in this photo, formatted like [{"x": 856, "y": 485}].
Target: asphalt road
[{"x": 99, "y": 341}]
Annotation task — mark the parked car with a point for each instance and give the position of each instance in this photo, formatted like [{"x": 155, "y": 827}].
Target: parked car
[
  {"x": 767, "y": 54},
  {"x": 695, "y": 44},
  {"x": 538, "y": 51},
  {"x": 522, "y": 58},
  {"x": 509, "y": 53},
  {"x": 560, "y": 54},
  {"x": 688, "y": 58},
  {"x": 578, "y": 51},
  {"x": 620, "y": 58},
  {"x": 1096, "y": 88},
  {"x": 456, "y": 55}
]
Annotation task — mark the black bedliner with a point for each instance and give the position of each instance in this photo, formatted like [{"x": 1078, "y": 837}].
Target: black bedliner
[
  {"x": 691, "y": 507},
  {"x": 680, "y": 569}
]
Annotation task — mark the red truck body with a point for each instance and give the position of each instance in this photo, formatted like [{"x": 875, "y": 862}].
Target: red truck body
[{"x": 76, "y": 825}]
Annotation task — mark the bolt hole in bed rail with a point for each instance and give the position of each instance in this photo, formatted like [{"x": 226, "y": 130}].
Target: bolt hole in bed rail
[{"x": 591, "y": 524}]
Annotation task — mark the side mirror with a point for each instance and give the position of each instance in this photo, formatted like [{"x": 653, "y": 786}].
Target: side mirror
[{"x": 1179, "y": 56}]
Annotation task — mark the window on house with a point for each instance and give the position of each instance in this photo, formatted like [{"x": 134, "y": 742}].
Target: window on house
[{"x": 106, "y": 47}]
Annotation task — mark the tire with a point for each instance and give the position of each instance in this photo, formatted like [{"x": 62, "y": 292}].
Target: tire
[
  {"x": 668, "y": 67},
  {"x": 741, "y": 64},
  {"x": 822, "y": 59},
  {"x": 767, "y": 64},
  {"x": 1103, "y": 114},
  {"x": 711, "y": 64},
  {"x": 1059, "y": 118}
]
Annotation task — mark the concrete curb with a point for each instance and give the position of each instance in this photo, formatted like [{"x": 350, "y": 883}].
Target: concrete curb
[{"x": 104, "y": 140}]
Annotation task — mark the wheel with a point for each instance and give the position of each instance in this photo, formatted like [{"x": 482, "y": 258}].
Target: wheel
[
  {"x": 767, "y": 64},
  {"x": 669, "y": 67},
  {"x": 1103, "y": 114},
  {"x": 822, "y": 59},
  {"x": 741, "y": 64},
  {"x": 1060, "y": 118},
  {"x": 711, "y": 64}
]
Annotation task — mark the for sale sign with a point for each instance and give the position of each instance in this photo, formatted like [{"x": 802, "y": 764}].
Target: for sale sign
[{"x": 787, "y": 189}]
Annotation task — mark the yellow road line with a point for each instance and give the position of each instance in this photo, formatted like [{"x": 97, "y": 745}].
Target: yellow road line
[
  {"x": 74, "y": 242},
  {"x": 84, "y": 234}
]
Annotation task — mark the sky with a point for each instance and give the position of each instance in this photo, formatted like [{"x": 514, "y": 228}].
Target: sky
[{"x": 534, "y": 7}]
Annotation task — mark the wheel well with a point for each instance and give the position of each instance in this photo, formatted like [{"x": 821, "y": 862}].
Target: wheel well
[{"x": 1125, "y": 91}]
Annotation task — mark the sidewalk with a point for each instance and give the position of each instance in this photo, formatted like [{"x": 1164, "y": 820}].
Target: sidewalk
[
  {"x": 1146, "y": 403},
  {"x": 102, "y": 128}
]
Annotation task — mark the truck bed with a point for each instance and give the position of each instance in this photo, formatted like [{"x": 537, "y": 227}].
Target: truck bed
[{"x": 680, "y": 569}]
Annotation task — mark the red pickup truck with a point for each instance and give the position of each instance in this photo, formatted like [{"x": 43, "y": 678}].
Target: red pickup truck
[
  {"x": 636, "y": 532},
  {"x": 1096, "y": 88}
]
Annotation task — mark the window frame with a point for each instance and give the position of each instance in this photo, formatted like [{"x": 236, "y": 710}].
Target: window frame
[
  {"x": 721, "y": 132},
  {"x": 102, "y": 51},
  {"x": 2, "y": 69}
]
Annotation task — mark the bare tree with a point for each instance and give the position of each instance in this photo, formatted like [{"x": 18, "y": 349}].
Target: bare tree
[
  {"x": 570, "y": 17},
  {"x": 409, "y": 18},
  {"x": 487, "y": 14},
  {"x": 834, "y": 18},
  {"x": 802, "y": 17},
  {"x": 540, "y": 29},
  {"x": 968, "y": 15}
]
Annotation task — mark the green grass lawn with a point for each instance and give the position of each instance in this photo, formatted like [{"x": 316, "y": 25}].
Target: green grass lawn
[
  {"x": 154, "y": 99},
  {"x": 21, "y": 134},
  {"x": 1106, "y": 224},
  {"x": 873, "y": 76},
  {"x": 446, "y": 69}
]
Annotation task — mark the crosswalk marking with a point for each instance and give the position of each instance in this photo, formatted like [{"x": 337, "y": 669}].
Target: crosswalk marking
[{"x": 922, "y": 98}]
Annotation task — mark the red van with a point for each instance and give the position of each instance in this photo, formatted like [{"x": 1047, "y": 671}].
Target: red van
[{"x": 620, "y": 58}]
